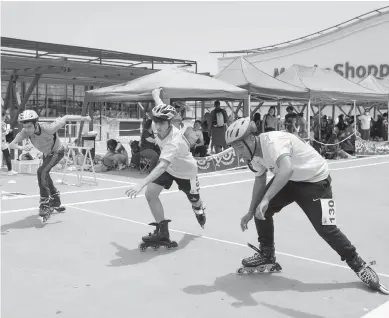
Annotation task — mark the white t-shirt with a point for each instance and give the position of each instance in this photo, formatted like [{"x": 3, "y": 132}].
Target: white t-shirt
[
  {"x": 365, "y": 121},
  {"x": 308, "y": 164},
  {"x": 176, "y": 150}
]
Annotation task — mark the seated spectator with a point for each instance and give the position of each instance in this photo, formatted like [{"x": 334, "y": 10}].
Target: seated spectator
[
  {"x": 147, "y": 148},
  {"x": 348, "y": 140},
  {"x": 332, "y": 149},
  {"x": 117, "y": 155},
  {"x": 196, "y": 140}
]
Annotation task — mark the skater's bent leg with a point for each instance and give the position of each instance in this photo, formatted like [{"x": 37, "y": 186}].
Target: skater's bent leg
[
  {"x": 309, "y": 200},
  {"x": 265, "y": 230},
  {"x": 43, "y": 173},
  {"x": 265, "y": 227},
  {"x": 152, "y": 196}
]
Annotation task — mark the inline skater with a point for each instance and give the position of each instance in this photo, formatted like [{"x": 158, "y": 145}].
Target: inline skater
[
  {"x": 301, "y": 176},
  {"x": 177, "y": 164}
]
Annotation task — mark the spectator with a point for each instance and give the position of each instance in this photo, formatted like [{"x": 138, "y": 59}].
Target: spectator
[
  {"x": 4, "y": 146},
  {"x": 365, "y": 125},
  {"x": 291, "y": 124},
  {"x": 117, "y": 155},
  {"x": 302, "y": 126},
  {"x": 341, "y": 123},
  {"x": 148, "y": 146},
  {"x": 205, "y": 129},
  {"x": 258, "y": 123},
  {"x": 217, "y": 124},
  {"x": 196, "y": 140},
  {"x": 289, "y": 113},
  {"x": 270, "y": 120}
]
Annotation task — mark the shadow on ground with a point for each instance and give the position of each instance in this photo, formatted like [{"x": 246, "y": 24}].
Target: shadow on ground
[
  {"x": 243, "y": 287},
  {"x": 292, "y": 313},
  {"x": 135, "y": 256},
  {"x": 32, "y": 221}
]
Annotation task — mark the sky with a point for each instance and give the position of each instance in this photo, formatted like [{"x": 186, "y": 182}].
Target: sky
[{"x": 183, "y": 30}]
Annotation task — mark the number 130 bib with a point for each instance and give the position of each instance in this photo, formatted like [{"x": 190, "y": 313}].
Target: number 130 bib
[{"x": 328, "y": 215}]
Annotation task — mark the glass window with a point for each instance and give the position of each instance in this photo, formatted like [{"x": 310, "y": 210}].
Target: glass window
[
  {"x": 4, "y": 85},
  {"x": 79, "y": 90}
]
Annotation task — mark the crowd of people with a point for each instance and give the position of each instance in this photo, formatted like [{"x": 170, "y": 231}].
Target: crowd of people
[{"x": 333, "y": 139}]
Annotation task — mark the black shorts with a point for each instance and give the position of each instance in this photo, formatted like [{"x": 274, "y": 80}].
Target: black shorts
[{"x": 186, "y": 185}]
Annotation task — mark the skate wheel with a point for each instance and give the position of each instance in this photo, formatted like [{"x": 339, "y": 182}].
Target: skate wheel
[
  {"x": 142, "y": 247},
  {"x": 240, "y": 271},
  {"x": 383, "y": 289},
  {"x": 276, "y": 268},
  {"x": 173, "y": 245},
  {"x": 261, "y": 268},
  {"x": 156, "y": 247}
]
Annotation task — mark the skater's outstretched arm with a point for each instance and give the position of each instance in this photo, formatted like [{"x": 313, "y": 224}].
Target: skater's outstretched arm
[
  {"x": 154, "y": 174},
  {"x": 59, "y": 123},
  {"x": 18, "y": 139},
  {"x": 155, "y": 93}
]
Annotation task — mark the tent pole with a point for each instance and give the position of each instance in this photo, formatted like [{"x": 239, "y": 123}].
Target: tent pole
[
  {"x": 249, "y": 106},
  {"x": 319, "y": 122},
  {"x": 355, "y": 118},
  {"x": 309, "y": 120}
]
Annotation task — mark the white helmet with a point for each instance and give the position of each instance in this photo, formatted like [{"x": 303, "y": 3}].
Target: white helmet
[
  {"x": 28, "y": 115},
  {"x": 239, "y": 130},
  {"x": 165, "y": 112}
]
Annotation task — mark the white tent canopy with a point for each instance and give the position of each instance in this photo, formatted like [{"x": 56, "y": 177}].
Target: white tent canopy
[
  {"x": 378, "y": 85},
  {"x": 175, "y": 84},
  {"x": 244, "y": 74},
  {"x": 327, "y": 85}
]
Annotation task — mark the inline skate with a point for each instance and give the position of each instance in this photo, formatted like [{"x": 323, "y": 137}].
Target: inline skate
[
  {"x": 55, "y": 202},
  {"x": 367, "y": 274},
  {"x": 200, "y": 214},
  {"x": 160, "y": 237},
  {"x": 263, "y": 260},
  {"x": 45, "y": 210}
]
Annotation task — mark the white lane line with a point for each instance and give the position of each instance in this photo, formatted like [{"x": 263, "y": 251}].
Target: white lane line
[
  {"x": 175, "y": 191},
  {"x": 126, "y": 198},
  {"x": 379, "y": 312},
  {"x": 63, "y": 193}
]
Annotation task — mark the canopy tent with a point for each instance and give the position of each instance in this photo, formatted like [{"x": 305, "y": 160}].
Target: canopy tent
[
  {"x": 244, "y": 74},
  {"x": 327, "y": 85},
  {"x": 378, "y": 85},
  {"x": 176, "y": 84}
]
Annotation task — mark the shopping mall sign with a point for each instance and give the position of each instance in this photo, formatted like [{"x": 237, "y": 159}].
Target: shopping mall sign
[{"x": 351, "y": 71}]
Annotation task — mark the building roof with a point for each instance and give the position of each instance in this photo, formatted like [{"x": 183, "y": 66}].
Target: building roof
[
  {"x": 85, "y": 65},
  {"x": 309, "y": 36}
]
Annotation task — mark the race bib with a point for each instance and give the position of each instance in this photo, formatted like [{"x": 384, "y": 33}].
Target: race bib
[{"x": 328, "y": 214}]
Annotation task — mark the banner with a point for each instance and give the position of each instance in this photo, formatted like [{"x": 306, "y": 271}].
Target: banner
[
  {"x": 369, "y": 148},
  {"x": 221, "y": 161}
]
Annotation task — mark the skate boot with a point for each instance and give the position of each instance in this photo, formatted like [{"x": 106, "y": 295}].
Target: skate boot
[
  {"x": 200, "y": 215},
  {"x": 160, "y": 237},
  {"x": 55, "y": 202},
  {"x": 367, "y": 274},
  {"x": 45, "y": 210},
  {"x": 264, "y": 259}
]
